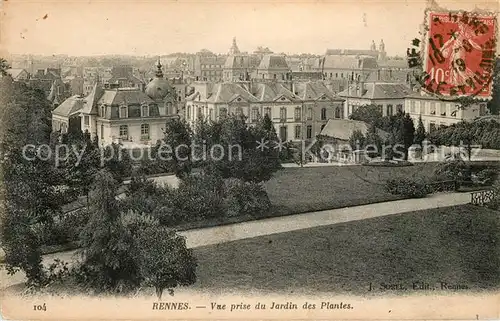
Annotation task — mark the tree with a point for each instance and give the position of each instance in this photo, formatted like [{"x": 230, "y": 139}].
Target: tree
[
  {"x": 117, "y": 161},
  {"x": 29, "y": 179},
  {"x": 109, "y": 252},
  {"x": 178, "y": 137},
  {"x": 4, "y": 66},
  {"x": 420, "y": 132},
  {"x": 368, "y": 113},
  {"x": 408, "y": 133},
  {"x": 166, "y": 262},
  {"x": 357, "y": 140},
  {"x": 81, "y": 168},
  {"x": 373, "y": 139},
  {"x": 239, "y": 152}
]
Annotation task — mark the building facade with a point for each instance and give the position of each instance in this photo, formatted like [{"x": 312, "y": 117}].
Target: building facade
[
  {"x": 129, "y": 116},
  {"x": 388, "y": 97},
  {"x": 437, "y": 113},
  {"x": 299, "y": 111}
]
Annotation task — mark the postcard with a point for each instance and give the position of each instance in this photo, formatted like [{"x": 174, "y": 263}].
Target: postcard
[{"x": 249, "y": 160}]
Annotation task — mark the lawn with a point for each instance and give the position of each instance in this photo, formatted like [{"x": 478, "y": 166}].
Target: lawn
[
  {"x": 458, "y": 245},
  {"x": 296, "y": 190}
]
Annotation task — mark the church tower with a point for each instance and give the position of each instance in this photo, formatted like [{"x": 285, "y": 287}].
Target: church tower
[
  {"x": 381, "y": 50},
  {"x": 234, "y": 50}
]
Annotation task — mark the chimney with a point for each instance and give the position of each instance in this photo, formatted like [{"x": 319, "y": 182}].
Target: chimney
[{"x": 361, "y": 88}]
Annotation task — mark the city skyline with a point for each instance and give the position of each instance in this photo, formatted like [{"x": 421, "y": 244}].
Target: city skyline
[{"x": 87, "y": 28}]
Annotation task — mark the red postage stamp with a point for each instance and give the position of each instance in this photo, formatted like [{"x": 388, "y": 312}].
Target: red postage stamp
[{"x": 459, "y": 54}]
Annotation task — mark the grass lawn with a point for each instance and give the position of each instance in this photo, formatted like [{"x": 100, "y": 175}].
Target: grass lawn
[
  {"x": 296, "y": 190},
  {"x": 459, "y": 245}
]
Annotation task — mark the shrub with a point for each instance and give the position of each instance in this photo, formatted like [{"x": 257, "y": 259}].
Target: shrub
[
  {"x": 165, "y": 261},
  {"x": 200, "y": 197},
  {"x": 413, "y": 188},
  {"x": 245, "y": 198},
  {"x": 453, "y": 170},
  {"x": 486, "y": 176}
]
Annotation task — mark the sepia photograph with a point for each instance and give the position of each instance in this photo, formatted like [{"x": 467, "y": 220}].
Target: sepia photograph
[{"x": 249, "y": 160}]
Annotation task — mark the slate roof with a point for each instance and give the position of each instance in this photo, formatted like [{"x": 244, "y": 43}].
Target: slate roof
[
  {"x": 130, "y": 78},
  {"x": 271, "y": 91},
  {"x": 273, "y": 62},
  {"x": 92, "y": 98},
  {"x": 241, "y": 62},
  {"x": 377, "y": 90},
  {"x": 343, "y": 128},
  {"x": 70, "y": 106},
  {"x": 124, "y": 96},
  {"x": 313, "y": 90},
  {"x": 394, "y": 63},
  {"x": 227, "y": 91},
  {"x": 349, "y": 62},
  {"x": 15, "y": 72},
  {"x": 373, "y": 53},
  {"x": 213, "y": 60}
]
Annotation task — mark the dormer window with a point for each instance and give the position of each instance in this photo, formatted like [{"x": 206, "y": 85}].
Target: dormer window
[
  {"x": 145, "y": 111},
  {"x": 123, "y": 111}
]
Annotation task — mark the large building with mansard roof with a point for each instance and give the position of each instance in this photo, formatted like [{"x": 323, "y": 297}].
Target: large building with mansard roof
[
  {"x": 130, "y": 116},
  {"x": 299, "y": 111}
]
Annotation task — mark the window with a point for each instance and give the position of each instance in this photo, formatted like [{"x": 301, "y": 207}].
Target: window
[
  {"x": 188, "y": 112},
  {"x": 309, "y": 131},
  {"x": 144, "y": 131},
  {"x": 102, "y": 131},
  {"x": 309, "y": 113},
  {"x": 389, "y": 110},
  {"x": 210, "y": 114},
  {"x": 267, "y": 111},
  {"x": 124, "y": 131},
  {"x": 433, "y": 108},
  {"x": 283, "y": 114},
  {"x": 283, "y": 133},
  {"x": 412, "y": 106},
  {"x": 482, "y": 110},
  {"x": 442, "y": 109},
  {"x": 103, "y": 111},
  {"x": 399, "y": 108},
  {"x": 298, "y": 112},
  {"x": 86, "y": 120},
  {"x": 380, "y": 109},
  {"x": 432, "y": 127},
  {"x": 239, "y": 111},
  {"x": 323, "y": 113},
  {"x": 222, "y": 112},
  {"x": 255, "y": 114},
  {"x": 338, "y": 112},
  {"x": 297, "y": 132},
  {"x": 123, "y": 112}
]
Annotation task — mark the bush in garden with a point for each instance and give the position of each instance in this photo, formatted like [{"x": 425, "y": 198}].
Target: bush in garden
[
  {"x": 245, "y": 198},
  {"x": 453, "y": 170},
  {"x": 165, "y": 260},
  {"x": 413, "y": 188},
  {"x": 487, "y": 176},
  {"x": 200, "y": 196}
]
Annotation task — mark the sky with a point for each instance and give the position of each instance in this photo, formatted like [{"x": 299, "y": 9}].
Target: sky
[{"x": 82, "y": 28}]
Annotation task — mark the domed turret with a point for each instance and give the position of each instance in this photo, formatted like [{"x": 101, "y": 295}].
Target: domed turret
[{"x": 159, "y": 87}]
